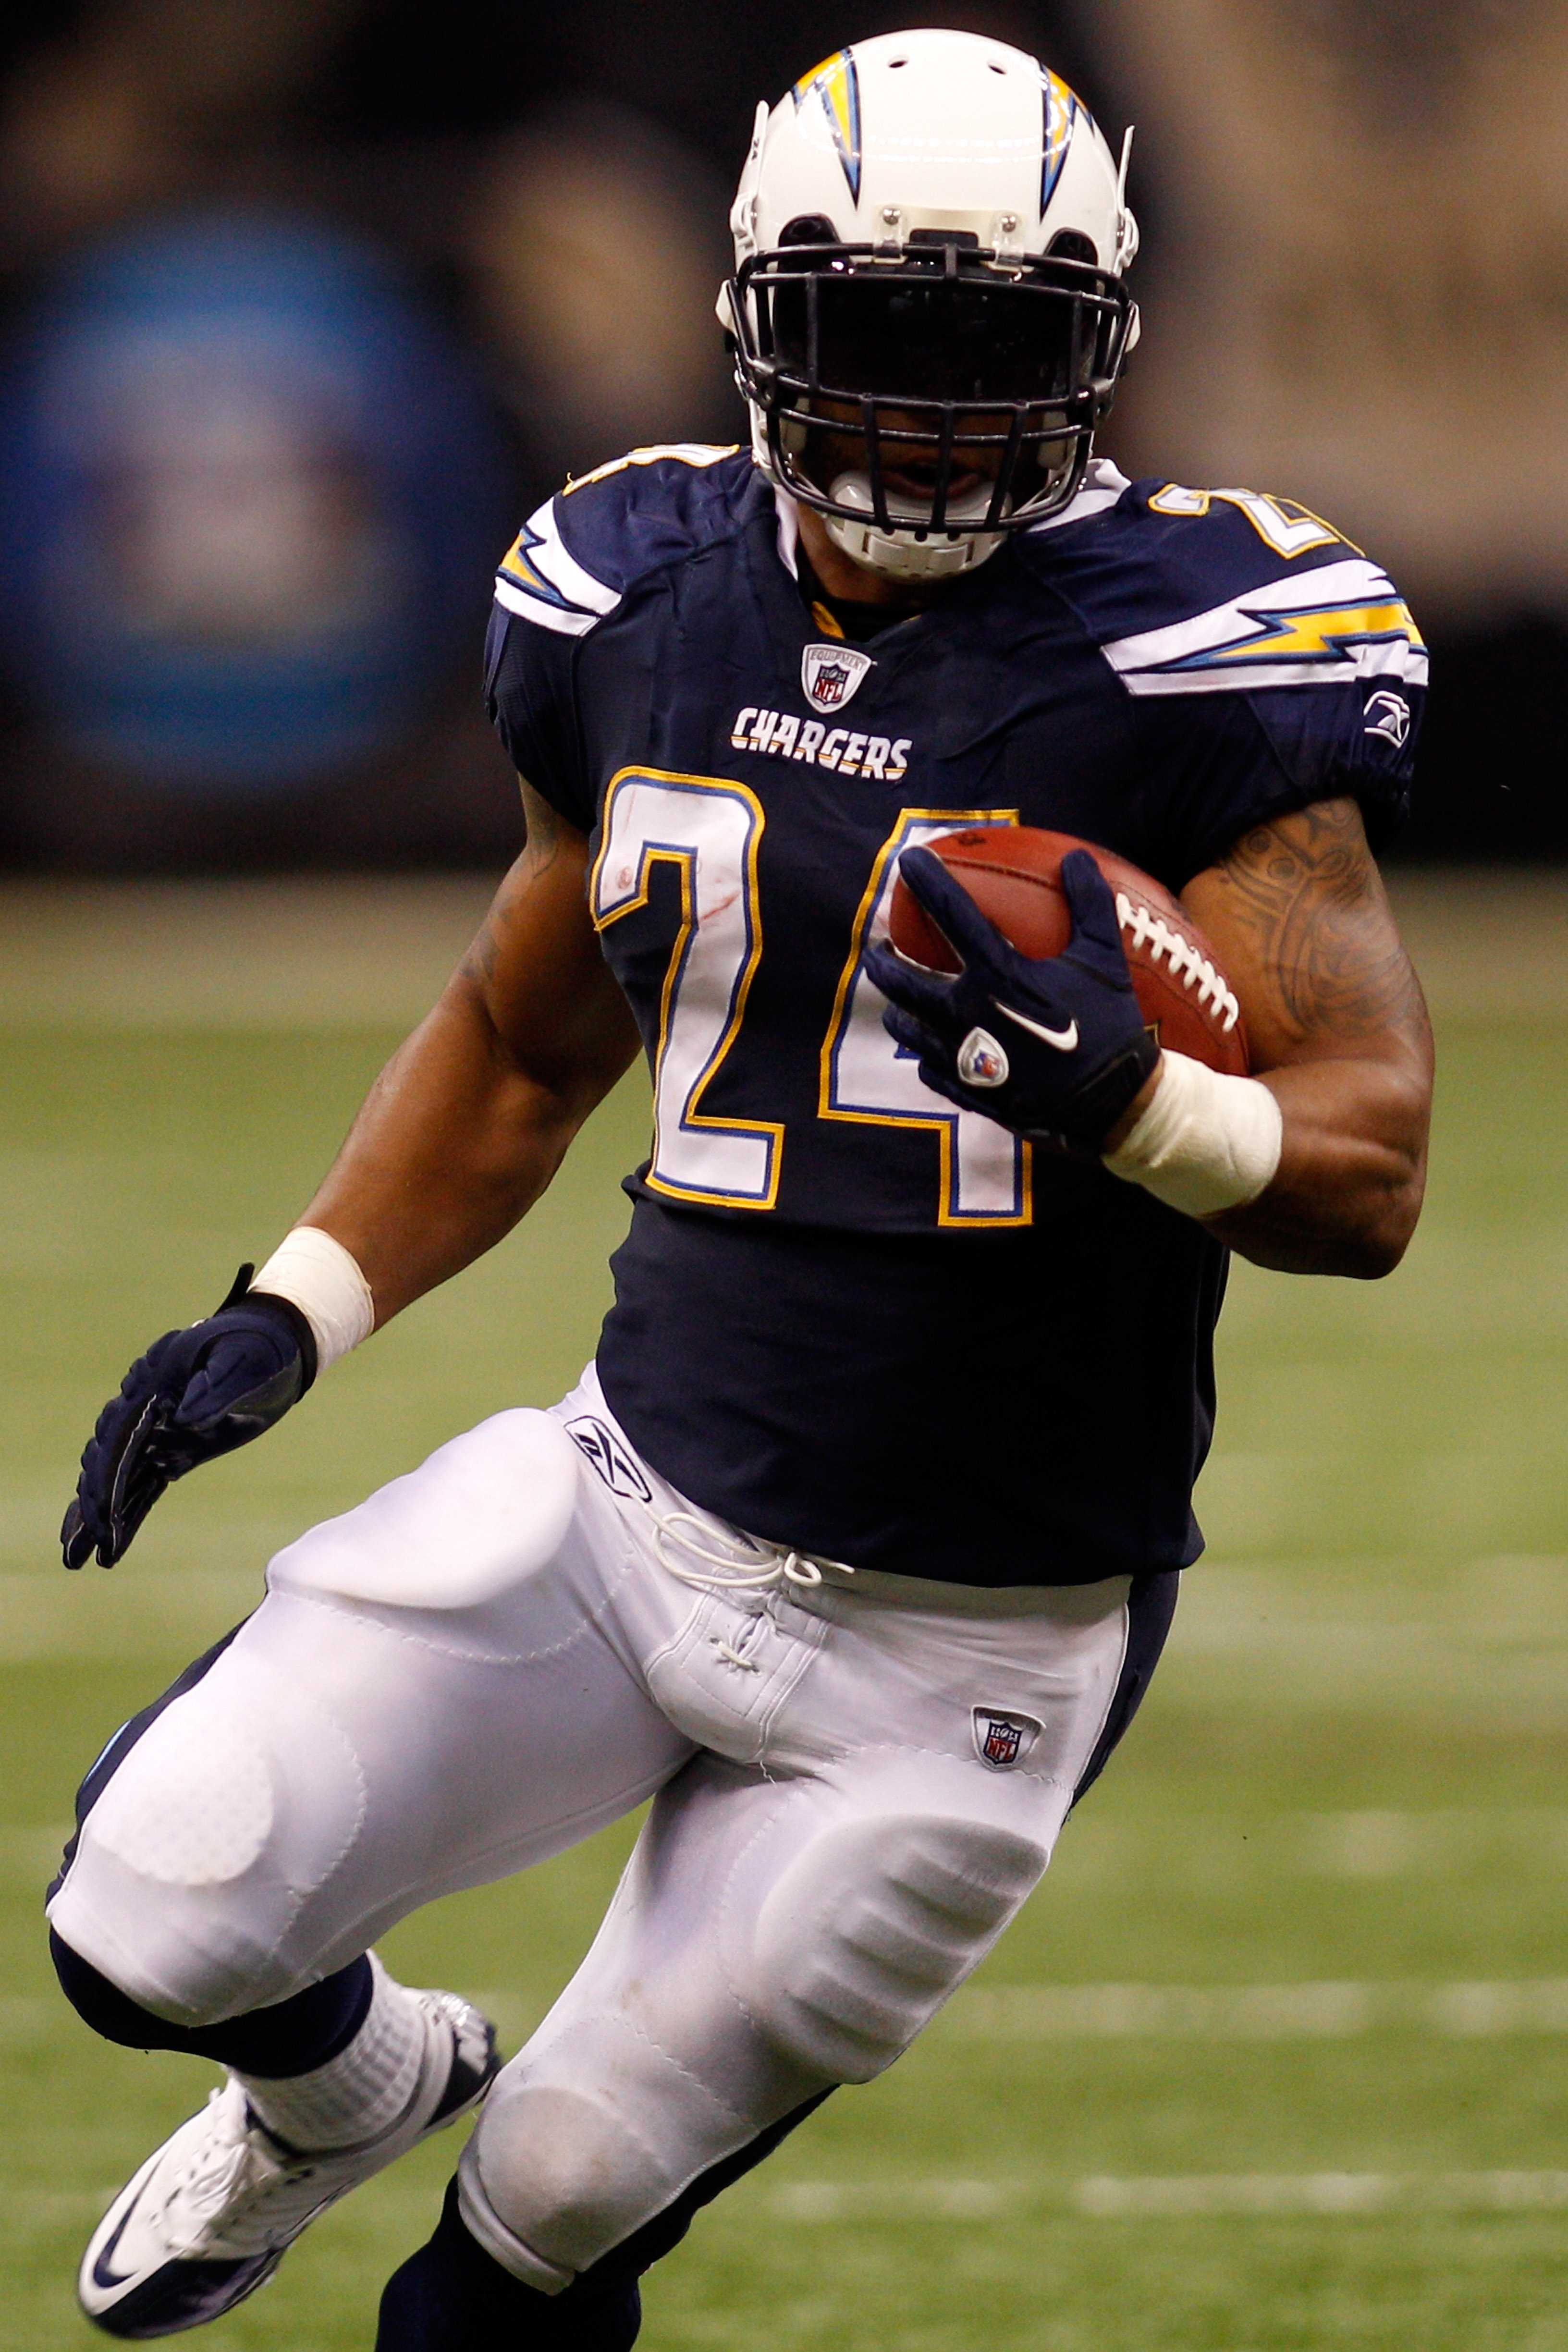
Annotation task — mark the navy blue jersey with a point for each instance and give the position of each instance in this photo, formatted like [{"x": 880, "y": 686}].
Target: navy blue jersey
[{"x": 848, "y": 1316}]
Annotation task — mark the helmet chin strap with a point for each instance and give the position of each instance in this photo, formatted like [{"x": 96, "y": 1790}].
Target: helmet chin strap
[{"x": 915, "y": 552}]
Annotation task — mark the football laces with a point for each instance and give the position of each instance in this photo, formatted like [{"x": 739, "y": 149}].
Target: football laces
[{"x": 1187, "y": 962}]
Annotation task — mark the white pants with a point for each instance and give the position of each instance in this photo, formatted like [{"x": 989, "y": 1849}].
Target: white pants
[{"x": 857, "y": 1783}]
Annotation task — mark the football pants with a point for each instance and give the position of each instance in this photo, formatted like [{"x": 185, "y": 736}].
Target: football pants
[{"x": 856, "y": 1780}]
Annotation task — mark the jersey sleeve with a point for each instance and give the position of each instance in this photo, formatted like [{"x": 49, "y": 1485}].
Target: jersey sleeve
[
  {"x": 1308, "y": 688},
  {"x": 568, "y": 570},
  {"x": 545, "y": 602}
]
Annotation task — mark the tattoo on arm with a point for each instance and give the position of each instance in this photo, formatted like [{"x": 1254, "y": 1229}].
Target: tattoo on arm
[{"x": 1306, "y": 892}]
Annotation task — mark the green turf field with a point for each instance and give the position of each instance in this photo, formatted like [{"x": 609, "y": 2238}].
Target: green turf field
[{"x": 1278, "y": 2056}]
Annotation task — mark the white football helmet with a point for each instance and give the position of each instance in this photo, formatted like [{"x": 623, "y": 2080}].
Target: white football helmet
[{"x": 927, "y": 312}]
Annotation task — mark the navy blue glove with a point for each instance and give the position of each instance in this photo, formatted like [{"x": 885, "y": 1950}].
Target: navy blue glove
[
  {"x": 194, "y": 1395},
  {"x": 1054, "y": 1047}
]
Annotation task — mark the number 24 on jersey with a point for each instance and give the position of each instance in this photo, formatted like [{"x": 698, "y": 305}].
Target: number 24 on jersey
[{"x": 708, "y": 831}]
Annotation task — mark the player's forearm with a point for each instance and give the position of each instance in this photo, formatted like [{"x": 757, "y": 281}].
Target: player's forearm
[
  {"x": 1352, "y": 1166},
  {"x": 455, "y": 1142}
]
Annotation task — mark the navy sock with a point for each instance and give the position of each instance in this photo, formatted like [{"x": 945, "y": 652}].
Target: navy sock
[
  {"x": 293, "y": 2037},
  {"x": 451, "y": 2296}
]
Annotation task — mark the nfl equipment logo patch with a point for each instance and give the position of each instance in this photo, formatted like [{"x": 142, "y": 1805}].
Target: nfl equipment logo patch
[
  {"x": 1002, "y": 1740},
  {"x": 830, "y": 674}
]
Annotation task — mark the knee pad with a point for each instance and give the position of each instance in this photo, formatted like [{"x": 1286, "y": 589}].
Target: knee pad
[
  {"x": 235, "y": 1806},
  {"x": 581, "y": 2141},
  {"x": 556, "y": 2184},
  {"x": 870, "y": 1929}
]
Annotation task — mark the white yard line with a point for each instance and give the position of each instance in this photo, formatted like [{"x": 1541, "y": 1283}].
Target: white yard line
[
  {"x": 1214, "y": 2195},
  {"x": 1176, "y": 2197},
  {"x": 1276, "y": 2012},
  {"x": 1330, "y": 2193}
]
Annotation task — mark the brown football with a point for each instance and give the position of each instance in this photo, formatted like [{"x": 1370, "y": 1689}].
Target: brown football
[{"x": 1011, "y": 873}]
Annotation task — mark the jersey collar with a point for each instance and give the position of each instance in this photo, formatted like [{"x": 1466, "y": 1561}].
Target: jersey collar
[
  {"x": 789, "y": 527},
  {"x": 1103, "y": 487}
]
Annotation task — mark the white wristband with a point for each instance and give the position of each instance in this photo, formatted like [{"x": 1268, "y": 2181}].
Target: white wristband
[
  {"x": 1207, "y": 1142},
  {"x": 323, "y": 1280}
]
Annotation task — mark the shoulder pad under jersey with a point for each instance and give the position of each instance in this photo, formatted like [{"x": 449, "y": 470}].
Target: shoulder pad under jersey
[
  {"x": 1210, "y": 592},
  {"x": 575, "y": 559}
]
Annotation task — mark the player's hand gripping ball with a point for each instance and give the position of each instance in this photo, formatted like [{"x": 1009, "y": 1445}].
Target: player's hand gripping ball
[
  {"x": 1036, "y": 977},
  {"x": 194, "y": 1395}
]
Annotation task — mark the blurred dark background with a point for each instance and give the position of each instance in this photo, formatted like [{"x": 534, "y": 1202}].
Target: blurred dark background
[{"x": 304, "y": 303}]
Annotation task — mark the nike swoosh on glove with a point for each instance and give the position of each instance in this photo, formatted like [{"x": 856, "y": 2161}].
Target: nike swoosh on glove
[
  {"x": 195, "y": 1394},
  {"x": 1054, "y": 1047}
]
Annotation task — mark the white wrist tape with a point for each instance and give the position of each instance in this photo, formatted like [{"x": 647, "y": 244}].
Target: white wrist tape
[
  {"x": 1206, "y": 1142},
  {"x": 323, "y": 1279}
]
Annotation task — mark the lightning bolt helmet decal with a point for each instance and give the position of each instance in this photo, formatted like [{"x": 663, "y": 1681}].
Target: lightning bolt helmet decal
[
  {"x": 1062, "y": 111},
  {"x": 837, "y": 83}
]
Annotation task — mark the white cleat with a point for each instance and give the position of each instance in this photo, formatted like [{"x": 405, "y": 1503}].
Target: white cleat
[{"x": 211, "y": 2214}]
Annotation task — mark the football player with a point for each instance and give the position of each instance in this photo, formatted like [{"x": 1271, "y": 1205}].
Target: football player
[{"x": 856, "y": 1546}]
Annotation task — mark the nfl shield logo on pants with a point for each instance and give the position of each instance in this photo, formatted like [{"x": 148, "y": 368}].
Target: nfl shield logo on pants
[
  {"x": 1001, "y": 1740},
  {"x": 830, "y": 674}
]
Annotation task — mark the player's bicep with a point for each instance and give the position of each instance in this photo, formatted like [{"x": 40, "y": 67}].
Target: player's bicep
[
  {"x": 1302, "y": 926},
  {"x": 536, "y": 966}
]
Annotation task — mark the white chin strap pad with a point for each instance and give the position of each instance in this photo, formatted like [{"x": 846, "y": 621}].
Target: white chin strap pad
[{"x": 909, "y": 553}]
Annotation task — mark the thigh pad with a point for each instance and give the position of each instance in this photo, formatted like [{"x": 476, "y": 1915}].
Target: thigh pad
[
  {"x": 483, "y": 1515},
  {"x": 872, "y": 1926}
]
